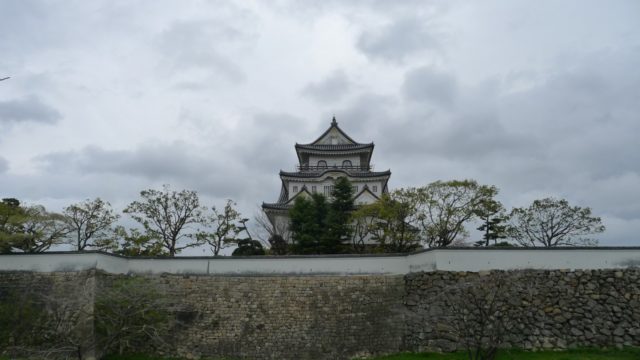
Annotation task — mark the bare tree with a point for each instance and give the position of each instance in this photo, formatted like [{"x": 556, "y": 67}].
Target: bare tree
[
  {"x": 55, "y": 325},
  {"x": 90, "y": 224},
  {"x": 222, "y": 227},
  {"x": 266, "y": 229},
  {"x": 167, "y": 215},
  {"x": 551, "y": 222},
  {"x": 363, "y": 228},
  {"x": 131, "y": 314}
]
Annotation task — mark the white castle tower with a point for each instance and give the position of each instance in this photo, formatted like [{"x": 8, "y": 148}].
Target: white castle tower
[{"x": 332, "y": 155}]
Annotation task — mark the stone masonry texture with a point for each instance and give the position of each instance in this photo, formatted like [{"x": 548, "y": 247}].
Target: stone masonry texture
[
  {"x": 542, "y": 309},
  {"x": 263, "y": 317},
  {"x": 342, "y": 317}
]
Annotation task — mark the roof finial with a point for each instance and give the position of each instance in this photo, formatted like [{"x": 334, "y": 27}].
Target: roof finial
[{"x": 334, "y": 122}]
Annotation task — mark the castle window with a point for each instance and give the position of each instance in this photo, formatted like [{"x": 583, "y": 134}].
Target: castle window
[
  {"x": 322, "y": 164},
  {"x": 355, "y": 188},
  {"x": 313, "y": 188},
  {"x": 328, "y": 189},
  {"x": 375, "y": 188},
  {"x": 295, "y": 189},
  {"x": 346, "y": 164}
]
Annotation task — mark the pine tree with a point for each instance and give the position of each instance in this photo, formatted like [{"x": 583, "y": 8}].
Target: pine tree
[
  {"x": 339, "y": 216},
  {"x": 308, "y": 223},
  {"x": 493, "y": 219}
]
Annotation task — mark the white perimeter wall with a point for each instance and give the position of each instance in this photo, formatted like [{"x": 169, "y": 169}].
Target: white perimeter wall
[{"x": 438, "y": 259}]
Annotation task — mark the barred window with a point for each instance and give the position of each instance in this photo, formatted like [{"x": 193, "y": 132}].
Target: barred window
[
  {"x": 295, "y": 189},
  {"x": 375, "y": 188}
]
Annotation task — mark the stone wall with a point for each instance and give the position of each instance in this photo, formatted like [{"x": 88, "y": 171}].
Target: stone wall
[
  {"x": 242, "y": 317},
  {"x": 67, "y": 298},
  {"x": 341, "y": 317},
  {"x": 282, "y": 317},
  {"x": 543, "y": 309}
]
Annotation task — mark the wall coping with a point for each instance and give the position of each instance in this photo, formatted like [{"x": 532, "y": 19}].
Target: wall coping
[
  {"x": 448, "y": 259},
  {"x": 276, "y": 257}
]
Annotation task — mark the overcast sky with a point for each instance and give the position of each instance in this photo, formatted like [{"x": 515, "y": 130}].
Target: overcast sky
[{"x": 106, "y": 98}]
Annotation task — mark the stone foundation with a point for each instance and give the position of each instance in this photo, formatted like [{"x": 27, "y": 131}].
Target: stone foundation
[
  {"x": 345, "y": 316},
  {"x": 543, "y": 309}
]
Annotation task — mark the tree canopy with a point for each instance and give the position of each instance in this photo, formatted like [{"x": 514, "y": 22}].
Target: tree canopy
[
  {"x": 445, "y": 207},
  {"x": 308, "y": 223},
  {"x": 320, "y": 225},
  {"x": 90, "y": 224},
  {"x": 221, "y": 227},
  {"x": 29, "y": 228},
  {"x": 553, "y": 222},
  {"x": 167, "y": 216},
  {"x": 391, "y": 221}
]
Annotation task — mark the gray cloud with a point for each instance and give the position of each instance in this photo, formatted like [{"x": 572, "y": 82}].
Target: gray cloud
[
  {"x": 399, "y": 40},
  {"x": 4, "y": 165},
  {"x": 148, "y": 97},
  {"x": 201, "y": 45},
  {"x": 27, "y": 109},
  {"x": 330, "y": 89},
  {"x": 428, "y": 86},
  {"x": 157, "y": 163}
]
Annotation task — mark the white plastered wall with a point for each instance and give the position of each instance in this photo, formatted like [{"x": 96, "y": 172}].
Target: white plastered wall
[{"x": 438, "y": 259}]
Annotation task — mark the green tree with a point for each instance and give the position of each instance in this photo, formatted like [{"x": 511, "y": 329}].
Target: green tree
[
  {"x": 135, "y": 243},
  {"x": 33, "y": 229},
  {"x": 553, "y": 222},
  {"x": 12, "y": 216},
  {"x": 169, "y": 216},
  {"x": 90, "y": 224},
  {"x": 445, "y": 206},
  {"x": 391, "y": 221},
  {"x": 248, "y": 247},
  {"x": 491, "y": 213},
  {"x": 278, "y": 245},
  {"x": 338, "y": 217},
  {"x": 308, "y": 223},
  {"x": 222, "y": 227}
]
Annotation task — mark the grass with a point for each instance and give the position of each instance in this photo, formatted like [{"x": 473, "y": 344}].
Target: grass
[{"x": 578, "y": 354}]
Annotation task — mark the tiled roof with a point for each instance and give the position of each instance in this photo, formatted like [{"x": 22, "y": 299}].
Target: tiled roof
[
  {"x": 312, "y": 174},
  {"x": 337, "y": 147},
  {"x": 334, "y": 124},
  {"x": 276, "y": 206}
]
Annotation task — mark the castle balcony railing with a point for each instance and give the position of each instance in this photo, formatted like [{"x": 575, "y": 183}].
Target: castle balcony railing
[{"x": 316, "y": 168}]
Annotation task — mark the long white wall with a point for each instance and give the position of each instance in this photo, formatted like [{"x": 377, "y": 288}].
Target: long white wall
[{"x": 437, "y": 259}]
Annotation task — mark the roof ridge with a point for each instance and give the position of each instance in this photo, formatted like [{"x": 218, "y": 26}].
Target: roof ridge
[{"x": 334, "y": 124}]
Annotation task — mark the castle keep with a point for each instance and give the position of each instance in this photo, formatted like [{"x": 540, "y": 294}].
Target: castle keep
[{"x": 332, "y": 155}]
